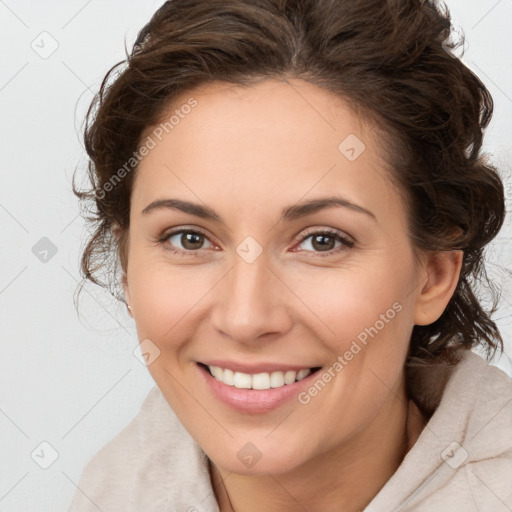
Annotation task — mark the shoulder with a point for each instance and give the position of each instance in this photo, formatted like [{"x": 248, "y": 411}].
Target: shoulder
[
  {"x": 462, "y": 459},
  {"x": 148, "y": 465},
  {"x": 488, "y": 440},
  {"x": 475, "y": 423},
  {"x": 489, "y": 425}
]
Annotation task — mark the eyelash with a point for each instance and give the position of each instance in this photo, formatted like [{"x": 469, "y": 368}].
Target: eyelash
[{"x": 346, "y": 243}]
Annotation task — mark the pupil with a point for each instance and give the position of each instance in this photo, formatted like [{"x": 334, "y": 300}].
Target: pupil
[
  {"x": 189, "y": 240},
  {"x": 322, "y": 244}
]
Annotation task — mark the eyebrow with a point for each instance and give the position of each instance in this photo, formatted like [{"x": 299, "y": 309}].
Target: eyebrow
[{"x": 289, "y": 213}]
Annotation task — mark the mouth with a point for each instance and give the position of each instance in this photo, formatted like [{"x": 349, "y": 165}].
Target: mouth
[
  {"x": 254, "y": 391},
  {"x": 258, "y": 381}
]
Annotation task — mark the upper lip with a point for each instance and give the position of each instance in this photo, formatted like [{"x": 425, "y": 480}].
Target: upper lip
[{"x": 256, "y": 367}]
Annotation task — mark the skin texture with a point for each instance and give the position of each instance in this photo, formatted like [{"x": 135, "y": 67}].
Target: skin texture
[{"x": 248, "y": 153}]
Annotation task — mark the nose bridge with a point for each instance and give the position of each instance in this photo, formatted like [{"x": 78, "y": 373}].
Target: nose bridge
[{"x": 250, "y": 304}]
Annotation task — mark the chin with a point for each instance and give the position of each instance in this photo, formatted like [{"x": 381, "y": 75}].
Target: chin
[{"x": 258, "y": 459}]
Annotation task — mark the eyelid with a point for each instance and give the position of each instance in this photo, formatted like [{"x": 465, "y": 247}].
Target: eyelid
[
  {"x": 180, "y": 230},
  {"x": 346, "y": 240},
  {"x": 328, "y": 231}
]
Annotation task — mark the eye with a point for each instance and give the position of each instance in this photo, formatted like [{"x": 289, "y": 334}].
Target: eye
[
  {"x": 191, "y": 241},
  {"x": 325, "y": 242},
  {"x": 186, "y": 242}
]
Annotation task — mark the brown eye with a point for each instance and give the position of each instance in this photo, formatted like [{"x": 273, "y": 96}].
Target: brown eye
[
  {"x": 325, "y": 242},
  {"x": 185, "y": 241},
  {"x": 191, "y": 241}
]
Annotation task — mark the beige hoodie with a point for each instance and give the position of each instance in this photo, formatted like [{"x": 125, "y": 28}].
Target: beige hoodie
[{"x": 462, "y": 461}]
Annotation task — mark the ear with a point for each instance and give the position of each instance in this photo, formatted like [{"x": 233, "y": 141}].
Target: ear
[
  {"x": 442, "y": 270},
  {"x": 120, "y": 238},
  {"x": 124, "y": 281}
]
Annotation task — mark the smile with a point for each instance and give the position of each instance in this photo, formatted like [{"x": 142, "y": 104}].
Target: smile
[
  {"x": 258, "y": 381},
  {"x": 255, "y": 388}
]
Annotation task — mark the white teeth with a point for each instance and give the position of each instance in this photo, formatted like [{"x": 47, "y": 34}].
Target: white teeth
[
  {"x": 259, "y": 380},
  {"x": 217, "y": 372},
  {"x": 276, "y": 379},
  {"x": 301, "y": 374},
  {"x": 242, "y": 380},
  {"x": 289, "y": 377},
  {"x": 226, "y": 376}
]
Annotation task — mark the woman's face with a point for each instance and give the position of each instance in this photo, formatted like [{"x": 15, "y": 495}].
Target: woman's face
[{"x": 229, "y": 267}]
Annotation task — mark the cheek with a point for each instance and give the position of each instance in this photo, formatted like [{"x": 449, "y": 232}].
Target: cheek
[
  {"x": 364, "y": 321},
  {"x": 160, "y": 297},
  {"x": 170, "y": 302},
  {"x": 359, "y": 303}
]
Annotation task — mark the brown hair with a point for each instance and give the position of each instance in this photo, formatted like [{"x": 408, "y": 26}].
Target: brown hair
[{"x": 392, "y": 59}]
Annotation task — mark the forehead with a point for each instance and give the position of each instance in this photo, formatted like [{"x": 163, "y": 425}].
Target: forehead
[
  {"x": 260, "y": 143},
  {"x": 269, "y": 111}
]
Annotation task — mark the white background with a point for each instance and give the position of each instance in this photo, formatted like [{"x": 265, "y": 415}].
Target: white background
[{"x": 73, "y": 381}]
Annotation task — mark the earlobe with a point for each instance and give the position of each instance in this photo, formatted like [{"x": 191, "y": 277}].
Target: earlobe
[
  {"x": 121, "y": 239},
  {"x": 442, "y": 275},
  {"x": 124, "y": 281}
]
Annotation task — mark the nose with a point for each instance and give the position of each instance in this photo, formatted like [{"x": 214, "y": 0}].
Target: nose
[{"x": 251, "y": 303}]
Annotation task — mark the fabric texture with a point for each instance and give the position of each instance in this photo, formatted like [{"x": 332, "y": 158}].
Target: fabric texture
[{"x": 462, "y": 460}]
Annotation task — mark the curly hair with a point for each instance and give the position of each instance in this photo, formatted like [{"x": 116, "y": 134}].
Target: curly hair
[{"x": 392, "y": 59}]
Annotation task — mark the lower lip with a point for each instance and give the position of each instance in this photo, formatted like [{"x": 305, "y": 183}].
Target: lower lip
[{"x": 254, "y": 400}]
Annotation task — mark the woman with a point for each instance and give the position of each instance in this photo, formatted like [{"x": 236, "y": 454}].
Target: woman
[{"x": 292, "y": 199}]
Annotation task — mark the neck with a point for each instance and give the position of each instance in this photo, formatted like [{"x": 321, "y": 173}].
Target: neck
[{"x": 344, "y": 479}]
